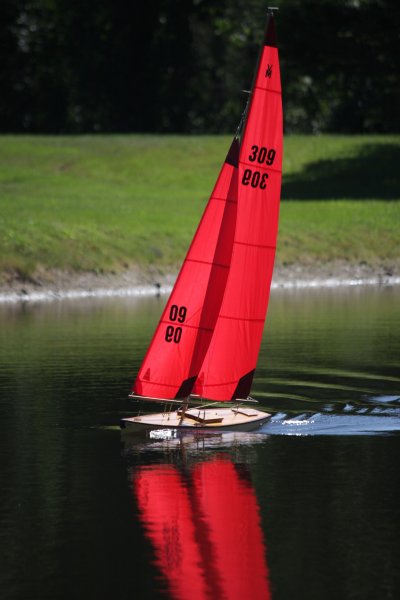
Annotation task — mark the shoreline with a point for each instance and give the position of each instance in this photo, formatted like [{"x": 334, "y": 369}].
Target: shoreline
[{"x": 59, "y": 285}]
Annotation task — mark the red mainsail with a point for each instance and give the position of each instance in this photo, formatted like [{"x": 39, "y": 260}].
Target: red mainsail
[
  {"x": 209, "y": 335},
  {"x": 229, "y": 365},
  {"x": 183, "y": 335}
]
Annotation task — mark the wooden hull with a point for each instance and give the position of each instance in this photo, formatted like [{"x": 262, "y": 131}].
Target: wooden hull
[{"x": 215, "y": 419}]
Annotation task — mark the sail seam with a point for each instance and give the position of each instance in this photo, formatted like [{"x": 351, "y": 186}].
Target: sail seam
[
  {"x": 266, "y": 168},
  {"x": 266, "y": 247},
  {"x": 186, "y": 325},
  {"x": 257, "y": 87},
  {"x": 171, "y": 385},
  {"x": 207, "y": 262},
  {"x": 242, "y": 319}
]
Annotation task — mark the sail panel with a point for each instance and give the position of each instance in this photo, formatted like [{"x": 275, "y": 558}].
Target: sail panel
[
  {"x": 238, "y": 335},
  {"x": 248, "y": 233},
  {"x": 166, "y": 365},
  {"x": 268, "y": 73}
]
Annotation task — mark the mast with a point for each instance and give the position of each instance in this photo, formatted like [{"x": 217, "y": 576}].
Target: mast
[{"x": 268, "y": 39}]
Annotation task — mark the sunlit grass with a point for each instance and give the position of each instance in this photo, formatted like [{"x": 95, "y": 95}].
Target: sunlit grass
[
  {"x": 107, "y": 202},
  {"x": 354, "y": 231}
]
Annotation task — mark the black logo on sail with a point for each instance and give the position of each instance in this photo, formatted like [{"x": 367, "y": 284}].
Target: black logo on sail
[{"x": 268, "y": 72}]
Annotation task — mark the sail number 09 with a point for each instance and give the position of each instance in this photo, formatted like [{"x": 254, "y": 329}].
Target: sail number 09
[
  {"x": 260, "y": 155},
  {"x": 176, "y": 313}
]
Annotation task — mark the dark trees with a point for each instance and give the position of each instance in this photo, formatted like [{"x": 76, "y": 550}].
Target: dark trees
[{"x": 180, "y": 65}]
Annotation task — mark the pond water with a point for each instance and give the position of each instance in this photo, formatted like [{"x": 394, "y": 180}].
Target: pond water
[{"x": 307, "y": 507}]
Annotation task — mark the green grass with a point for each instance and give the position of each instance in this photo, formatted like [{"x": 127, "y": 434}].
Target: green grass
[{"x": 107, "y": 202}]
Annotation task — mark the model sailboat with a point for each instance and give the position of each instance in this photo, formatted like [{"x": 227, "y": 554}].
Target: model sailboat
[{"x": 206, "y": 344}]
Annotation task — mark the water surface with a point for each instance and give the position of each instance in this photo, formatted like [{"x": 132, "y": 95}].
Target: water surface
[{"x": 307, "y": 507}]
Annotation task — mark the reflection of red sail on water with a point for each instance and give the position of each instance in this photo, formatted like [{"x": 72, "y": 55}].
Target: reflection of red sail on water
[
  {"x": 166, "y": 513},
  {"x": 205, "y": 530},
  {"x": 230, "y": 510}
]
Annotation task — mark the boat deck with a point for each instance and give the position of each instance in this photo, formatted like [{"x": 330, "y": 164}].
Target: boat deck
[{"x": 240, "y": 418}]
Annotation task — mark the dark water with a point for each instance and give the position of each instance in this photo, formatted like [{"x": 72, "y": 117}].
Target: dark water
[{"x": 307, "y": 508}]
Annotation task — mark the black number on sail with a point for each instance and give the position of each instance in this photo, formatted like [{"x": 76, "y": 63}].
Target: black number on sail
[
  {"x": 262, "y": 155},
  {"x": 173, "y": 334},
  {"x": 177, "y": 313},
  {"x": 255, "y": 179}
]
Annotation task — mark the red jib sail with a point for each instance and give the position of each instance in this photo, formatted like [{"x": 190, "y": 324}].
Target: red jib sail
[
  {"x": 228, "y": 368},
  {"x": 209, "y": 335},
  {"x": 183, "y": 335}
]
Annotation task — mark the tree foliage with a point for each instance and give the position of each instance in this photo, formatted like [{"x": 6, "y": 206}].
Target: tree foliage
[{"x": 180, "y": 65}]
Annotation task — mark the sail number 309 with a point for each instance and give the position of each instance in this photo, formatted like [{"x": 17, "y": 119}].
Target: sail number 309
[
  {"x": 258, "y": 155},
  {"x": 255, "y": 179},
  {"x": 262, "y": 155},
  {"x": 172, "y": 333}
]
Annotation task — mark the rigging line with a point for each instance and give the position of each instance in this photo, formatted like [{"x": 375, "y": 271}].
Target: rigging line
[
  {"x": 253, "y": 84},
  {"x": 243, "y": 117}
]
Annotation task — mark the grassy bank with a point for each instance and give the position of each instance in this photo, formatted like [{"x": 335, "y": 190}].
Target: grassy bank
[{"x": 108, "y": 202}]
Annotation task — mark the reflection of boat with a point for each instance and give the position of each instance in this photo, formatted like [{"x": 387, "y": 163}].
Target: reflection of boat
[
  {"x": 188, "y": 444},
  {"x": 204, "y": 527},
  {"x": 206, "y": 345}
]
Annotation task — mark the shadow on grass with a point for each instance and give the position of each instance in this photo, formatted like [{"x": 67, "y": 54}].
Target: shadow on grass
[{"x": 373, "y": 174}]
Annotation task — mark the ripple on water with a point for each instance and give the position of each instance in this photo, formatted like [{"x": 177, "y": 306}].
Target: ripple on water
[{"x": 329, "y": 424}]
